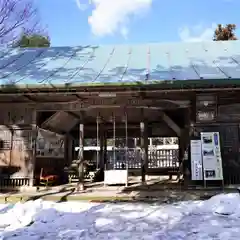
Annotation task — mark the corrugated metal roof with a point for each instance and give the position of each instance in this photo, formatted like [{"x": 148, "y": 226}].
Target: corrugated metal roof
[{"x": 120, "y": 64}]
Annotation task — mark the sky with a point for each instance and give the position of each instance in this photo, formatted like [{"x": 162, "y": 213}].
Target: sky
[{"x": 78, "y": 22}]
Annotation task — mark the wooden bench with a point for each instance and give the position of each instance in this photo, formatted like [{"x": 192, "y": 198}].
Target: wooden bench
[{"x": 47, "y": 178}]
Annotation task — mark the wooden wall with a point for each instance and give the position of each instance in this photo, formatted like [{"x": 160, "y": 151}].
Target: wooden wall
[
  {"x": 223, "y": 116},
  {"x": 17, "y": 134}
]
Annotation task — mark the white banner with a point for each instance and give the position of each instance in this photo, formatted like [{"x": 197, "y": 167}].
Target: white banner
[
  {"x": 211, "y": 156},
  {"x": 196, "y": 160}
]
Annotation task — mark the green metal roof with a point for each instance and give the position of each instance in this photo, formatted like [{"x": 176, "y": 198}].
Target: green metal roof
[{"x": 120, "y": 64}]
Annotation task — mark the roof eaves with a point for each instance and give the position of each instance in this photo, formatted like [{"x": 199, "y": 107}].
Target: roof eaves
[{"x": 163, "y": 84}]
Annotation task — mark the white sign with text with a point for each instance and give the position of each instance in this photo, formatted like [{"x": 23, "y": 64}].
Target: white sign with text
[
  {"x": 196, "y": 160},
  {"x": 211, "y": 156}
]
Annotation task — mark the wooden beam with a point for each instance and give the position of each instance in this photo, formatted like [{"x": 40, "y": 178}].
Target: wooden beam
[
  {"x": 180, "y": 103},
  {"x": 45, "y": 125},
  {"x": 108, "y": 126},
  {"x": 30, "y": 98},
  {"x": 120, "y": 126},
  {"x": 124, "y": 90},
  {"x": 73, "y": 114},
  {"x": 69, "y": 107},
  {"x": 171, "y": 124},
  {"x": 50, "y": 118},
  {"x": 78, "y": 97},
  {"x": 99, "y": 103},
  {"x": 126, "y": 107},
  {"x": 52, "y": 129}
]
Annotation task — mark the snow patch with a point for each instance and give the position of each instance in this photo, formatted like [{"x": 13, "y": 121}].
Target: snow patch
[{"x": 216, "y": 218}]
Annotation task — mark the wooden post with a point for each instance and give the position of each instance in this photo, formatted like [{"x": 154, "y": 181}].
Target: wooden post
[
  {"x": 101, "y": 165},
  {"x": 66, "y": 149},
  {"x": 135, "y": 142},
  {"x": 81, "y": 141},
  {"x": 68, "y": 155},
  {"x": 34, "y": 144},
  {"x": 63, "y": 174},
  {"x": 98, "y": 145},
  {"x": 146, "y": 146},
  {"x": 80, "y": 185},
  {"x": 105, "y": 149},
  {"x": 71, "y": 149},
  {"x": 181, "y": 144},
  {"x": 144, "y": 149}
]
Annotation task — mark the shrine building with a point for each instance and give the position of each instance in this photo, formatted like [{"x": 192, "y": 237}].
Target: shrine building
[{"x": 53, "y": 99}]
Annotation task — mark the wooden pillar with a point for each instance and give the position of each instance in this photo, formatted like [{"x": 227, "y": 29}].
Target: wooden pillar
[
  {"x": 135, "y": 142},
  {"x": 81, "y": 142},
  {"x": 146, "y": 145},
  {"x": 68, "y": 156},
  {"x": 34, "y": 150},
  {"x": 144, "y": 149},
  {"x": 105, "y": 149},
  {"x": 180, "y": 148},
  {"x": 66, "y": 149},
  {"x": 101, "y": 147},
  {"x": 70, "y": 148},
  {"x": 184, "y": 147},
  {"x": 183, "y": 139},
  {"x": 150, "y": 142},
  {"x": 192, "y": 117},
  {"x": 80, "y": 186}
]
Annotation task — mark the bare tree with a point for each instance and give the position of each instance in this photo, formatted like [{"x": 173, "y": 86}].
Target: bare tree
[
  {"x": 16, "y": 17},
  {"x": 225, "y": 33}
]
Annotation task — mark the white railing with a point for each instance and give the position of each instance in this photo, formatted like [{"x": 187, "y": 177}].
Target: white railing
[{"x": 110, "y": 148}]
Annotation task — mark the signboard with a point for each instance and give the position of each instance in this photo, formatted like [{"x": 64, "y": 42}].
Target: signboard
[
  {"x": 205, "y": 115},
  {"x": 196, "y": 160},
  {"x": 49, "y": 144},
  {"x": 211, "y": 156}
]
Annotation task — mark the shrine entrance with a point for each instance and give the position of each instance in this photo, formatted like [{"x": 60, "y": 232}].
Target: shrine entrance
[
  {"x": 119, "y": 143},
  {"x": 125, "y": 131}
]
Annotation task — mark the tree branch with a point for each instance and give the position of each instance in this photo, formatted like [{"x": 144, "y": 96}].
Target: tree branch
[{"x": 17, "y": 17}]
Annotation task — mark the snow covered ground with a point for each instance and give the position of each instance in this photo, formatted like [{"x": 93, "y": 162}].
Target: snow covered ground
[{"x": 216, "y": 218}]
